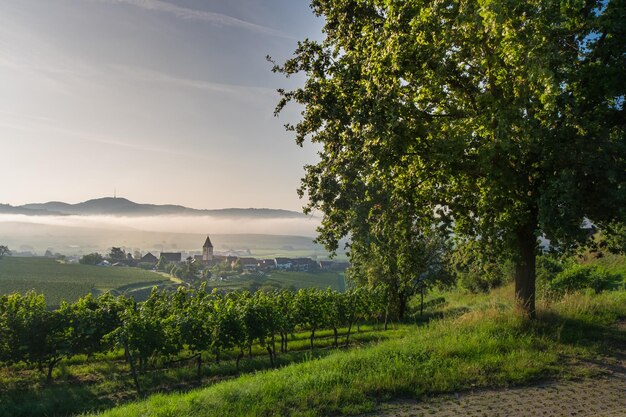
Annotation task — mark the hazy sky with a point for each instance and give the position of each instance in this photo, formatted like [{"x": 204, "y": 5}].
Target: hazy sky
[{"x": 168, "y": 101}]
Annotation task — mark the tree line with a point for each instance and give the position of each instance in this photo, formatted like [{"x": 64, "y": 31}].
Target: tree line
[{"x": 182, "y": 324}]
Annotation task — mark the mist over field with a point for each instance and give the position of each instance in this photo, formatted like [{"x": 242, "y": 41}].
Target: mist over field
[
  {"x": 83, "y": 234},
  {"x": 176, "y": 224}
]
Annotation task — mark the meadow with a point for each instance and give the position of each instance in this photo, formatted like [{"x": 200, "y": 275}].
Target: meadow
[
  {"x": 483, "y": 342},
  {"x": 64, "y": 281},
  {"x": 282, "y": 279},
  {"x": 462, "y": 341},
  {"x": 466, "y": 341}
]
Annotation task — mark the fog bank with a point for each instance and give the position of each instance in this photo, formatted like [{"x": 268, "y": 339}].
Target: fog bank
[{"x": 176, "y": 224}]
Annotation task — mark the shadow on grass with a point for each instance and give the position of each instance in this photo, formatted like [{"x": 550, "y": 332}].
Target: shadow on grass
[
  {"x": 606, "y": 340},
  {"x": 100, "y": 390}
]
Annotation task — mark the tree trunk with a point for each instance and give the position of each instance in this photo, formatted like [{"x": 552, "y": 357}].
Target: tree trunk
[
  {"x": 422, "y": 302},
  {"x": 525, "y": 270},
  {"x": 269, "y": 351},
  {"x": 386, "y": 317},
  {"x": 312, "y": 337},
  {"x": 133, "y": 371},
  {"x": 348, "y": 335},
  {"x": 402, "y": 300},
  {"x": 50, "y": 368},
  {"x": 199, "y": 359},
  {"x": 241, "y": 354},
  {"x": 336, "y": 335}
]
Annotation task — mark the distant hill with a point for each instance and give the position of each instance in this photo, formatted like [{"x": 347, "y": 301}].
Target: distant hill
[
  {"x": 124, "y": 207},
  {"x": 8, "y": 209}
]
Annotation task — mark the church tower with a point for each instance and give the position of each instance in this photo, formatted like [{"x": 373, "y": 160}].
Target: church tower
[{"x": 207, "y": 251}]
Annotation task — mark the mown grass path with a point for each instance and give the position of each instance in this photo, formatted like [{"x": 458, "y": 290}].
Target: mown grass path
[
  {"x": 594, "y": 397},
  {"x": 603, "y": 395}
]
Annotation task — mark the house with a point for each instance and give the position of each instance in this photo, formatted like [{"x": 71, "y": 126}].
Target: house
[
  {"x": 266, "y": 264},
  {"x": 325, "y": 265},
  {"x": 172, "y": 257},
  {"x": 248, "y": 264},
  {"x": 149, "y": 258},
  {"x": 283, "y": 263},
  {"x": 218, "y": 259},
  {"x": 303, "y": 264}
]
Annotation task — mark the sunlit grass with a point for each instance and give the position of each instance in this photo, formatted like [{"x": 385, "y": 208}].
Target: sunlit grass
[{"x": 490, "y": 345}]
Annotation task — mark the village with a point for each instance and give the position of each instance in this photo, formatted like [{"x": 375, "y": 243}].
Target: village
[{"x": 209, "y": 260}]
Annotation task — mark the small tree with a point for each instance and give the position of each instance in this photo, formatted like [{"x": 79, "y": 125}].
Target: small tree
[
  {"x": 4, "y": 250},
  {"x": 91, "y": 259},
  {"x": 117, "y": 254},
  {"x": 32, "y": 333}
]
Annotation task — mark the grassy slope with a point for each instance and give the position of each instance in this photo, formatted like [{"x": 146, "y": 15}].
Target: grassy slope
[
  {"x": 66, "y": 281},
  {"x": 489, "y": 345},
  {"x": 284, "y": 279},
  {"x": 615, "y": 264},
  {"x": 105, "y": 381}
]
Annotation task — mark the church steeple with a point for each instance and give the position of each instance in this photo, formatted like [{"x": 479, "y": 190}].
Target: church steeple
[{"x": 207, "y": 251}]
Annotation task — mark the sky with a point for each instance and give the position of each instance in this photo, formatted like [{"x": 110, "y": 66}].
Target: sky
[{"x": 160, "y": 101}]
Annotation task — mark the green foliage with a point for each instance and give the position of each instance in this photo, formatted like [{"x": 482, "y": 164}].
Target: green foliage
[
  {"x": 494, "y": 121},
  {"x": 148, "y": 266},
  {"x": 32, "y": 333},
  {"x": 614, "y": 239},
  {"x": 91, "y": 259},
  {"x": 404, "y": 262},
  {"x": 117, "y": 254},
  {"x": 476, "y": 272},
  {"x": 578, "y": 277},
  {"x": 492, "y": 347},
  {"x": 163, "y": 265}
]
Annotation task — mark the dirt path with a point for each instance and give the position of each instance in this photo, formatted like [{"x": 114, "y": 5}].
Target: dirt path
[{"x": 604, "y": 396}]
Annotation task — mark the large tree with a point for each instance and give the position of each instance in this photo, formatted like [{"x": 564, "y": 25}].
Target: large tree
[{"x": 494, "y": 120}]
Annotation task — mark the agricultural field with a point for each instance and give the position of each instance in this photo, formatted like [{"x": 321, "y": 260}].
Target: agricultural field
[
  {"x": 61, "y": 281},
  {"x": 442, "y": 351},
  {"x": 282, "y": 279}
]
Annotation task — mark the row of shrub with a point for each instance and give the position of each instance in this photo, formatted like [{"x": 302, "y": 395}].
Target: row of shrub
[
  {"x": 184, "y": 323},
  {"x": 556, "y": 277}
]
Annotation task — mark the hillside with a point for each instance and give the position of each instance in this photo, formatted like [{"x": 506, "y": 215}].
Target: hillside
[
  {"x": 59, "y": 281},
  {"x": 125, "y": 207},
  {"x": 469, "y": 342}
]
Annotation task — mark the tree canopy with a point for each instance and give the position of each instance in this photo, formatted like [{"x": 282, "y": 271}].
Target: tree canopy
[{"x": 496, "y": 121}]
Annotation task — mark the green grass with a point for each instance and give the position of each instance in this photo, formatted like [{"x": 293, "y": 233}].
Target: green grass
[
  {"x": 283, "y": 279},
  {"x": 60, "y": 281},
  {"x": 104, "y": 381},
  {"x": 489, "y": 345},
  {"x": 466, "y": 342},
  {"x": 615, "y": 264}
]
